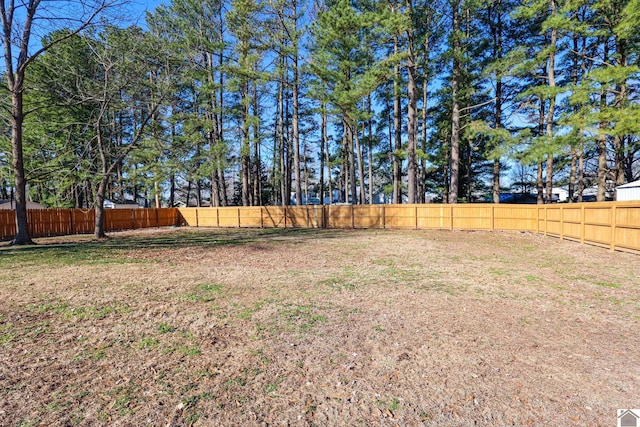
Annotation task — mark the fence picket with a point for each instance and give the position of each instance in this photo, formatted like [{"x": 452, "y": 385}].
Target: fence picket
[{"x": 615, "y": 225}]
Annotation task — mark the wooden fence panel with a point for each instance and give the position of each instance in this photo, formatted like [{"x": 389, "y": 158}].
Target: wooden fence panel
[
  {"x": 228, "y": 216},
  {"x": 209, "y": 217},
  {"x": 167, "y": 217},
  {"x": 626, "y": 222},
  {"x": 251, "y": 217},
  {"x": 144, "y": 218},
  {"x": 298, "y": 217},
  {"x": 613, "y": 225},
  {"x": 472, "y": 217},
  {"x": 400, "y": 216},
  {"x": 83, "y": 221},
  {"x": 433, "y": 216},
  {"x": 56, "y": 222},
  {"x": 368, "y": 216},
  {"x": 49, "y": 222},
  {"x": 515, "y": 217},
  {"x": 274, "y": 216},
  {"x": 7, "y": 224},
  {"x": 188, "y": 216},
  {"x": 119, "y": 219},
  {"x": 338, "y": 216},
  {"x": 316, "y": 216}
]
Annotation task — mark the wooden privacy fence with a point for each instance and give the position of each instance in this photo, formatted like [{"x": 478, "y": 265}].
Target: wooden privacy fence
[
  {"x": 615, "y": 225},
  {"x": 57, "y": 222}
]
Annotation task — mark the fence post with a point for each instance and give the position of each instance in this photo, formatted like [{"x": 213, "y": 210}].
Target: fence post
[
  {"x": 493, "y": 218},
  {"x": 613, "y": 228},
  {"x": 384, "y": 216},
  {"x": 582, "y": 225},
  {"x": 352, "y": 218},
  {"x": 415, "y": 214},
  {"x": 451, "y": 215},
  {"x": 561, "y": 222}
]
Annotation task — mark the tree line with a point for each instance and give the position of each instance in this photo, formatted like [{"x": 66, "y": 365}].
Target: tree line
[{"x": 256, "y": 102}]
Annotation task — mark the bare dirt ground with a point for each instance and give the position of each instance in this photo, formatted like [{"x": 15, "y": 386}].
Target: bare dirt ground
[{"x": 205, "y": 327}]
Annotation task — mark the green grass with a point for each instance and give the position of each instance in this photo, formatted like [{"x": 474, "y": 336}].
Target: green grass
[
  {"x": 609, "y": 284},
  {"x": 78, "y": 313},
  {"x": 118, "y": 250},
  {"x": 204, "y": 293},
  {"x": 246, "y": 313},
  {"x": 165, "y": 328},
  {"x": 303, "y": 318},
  {"x": 5, "y": 339},
  {"x": 148, "y": 343}
]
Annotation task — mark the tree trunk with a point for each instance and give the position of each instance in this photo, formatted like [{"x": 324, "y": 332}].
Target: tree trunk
[
  {"x": 295, "y": 113},
  {"x": 572, "y": 173},
  {"x": 245, "y": 150},
  {"x": 540, "y": 185},
  {"x": 412, "y": 116},
  {"x": 454, "y": 163},
  {"x": 497, "y": 43},
  {"x": 425, "y": 86},
  {"x": 323, "y": 141},
  {"x": 539, "y": 181},
  {"x": 360, "y": 164},
  {"x": 257, "y": 181},
  {"x": 351, "y": 165},
  {"x": 397, "y": 160},
  {"x": 412, "y": 123},
  {"x": 327, "y": 154},
  {"x": 581, "y": 171},
  {"x": 551, "y": 81},
  {"x": 22, "y": 236},
  {"x": 370, "y": 148},
  {"x": 98, "y": 231}
]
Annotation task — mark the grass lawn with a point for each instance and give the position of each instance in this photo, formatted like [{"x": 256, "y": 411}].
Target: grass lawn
[{"x": 242, "y": 327}]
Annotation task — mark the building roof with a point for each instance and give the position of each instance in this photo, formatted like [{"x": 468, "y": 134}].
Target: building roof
[{"x": 632, "y": 184}]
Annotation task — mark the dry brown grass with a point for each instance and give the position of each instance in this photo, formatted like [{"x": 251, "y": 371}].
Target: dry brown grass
[{"x": 317, "y": 327}]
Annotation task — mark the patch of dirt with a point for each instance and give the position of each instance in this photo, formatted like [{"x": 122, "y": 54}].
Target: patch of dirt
[{"x": 207, "y": 327}]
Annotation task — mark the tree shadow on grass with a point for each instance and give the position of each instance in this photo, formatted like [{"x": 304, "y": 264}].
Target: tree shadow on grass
[{"x": 71, "y": 251}]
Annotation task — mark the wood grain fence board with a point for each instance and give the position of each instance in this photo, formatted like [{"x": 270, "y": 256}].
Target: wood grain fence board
[
  {"x": 188, "y": 216},
  {"x": 227, "y": 217},
  {"x": 274, "y": 216},
  {"x": 208, "y": 217},
  {"x": 251, "y": 217},
  {"x": 7, "y": 224},
  {"x": 433, "y": 216},
  {"x": 368, "y": 216},
  {"x": 83, "y": 221},
  {"x": 610, "y": 224},
  {"x": 298, "y": 217},
  {"x": 400, "y": 216},
  {"x": 515, "y": 217},
  {"x": 472, "y": 217},
  {"x": 338, "y": 216}
]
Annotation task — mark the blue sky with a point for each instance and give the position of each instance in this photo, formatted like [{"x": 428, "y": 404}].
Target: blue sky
[{"x": 139, "y": 8}]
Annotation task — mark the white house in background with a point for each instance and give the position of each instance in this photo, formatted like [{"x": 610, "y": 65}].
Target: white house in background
[
  {"x": 11, "y": 204},
  {"x": 128, "y": 204},
  {"x": 561, "y": 193},
  {"x": 629, "y": 191}
]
